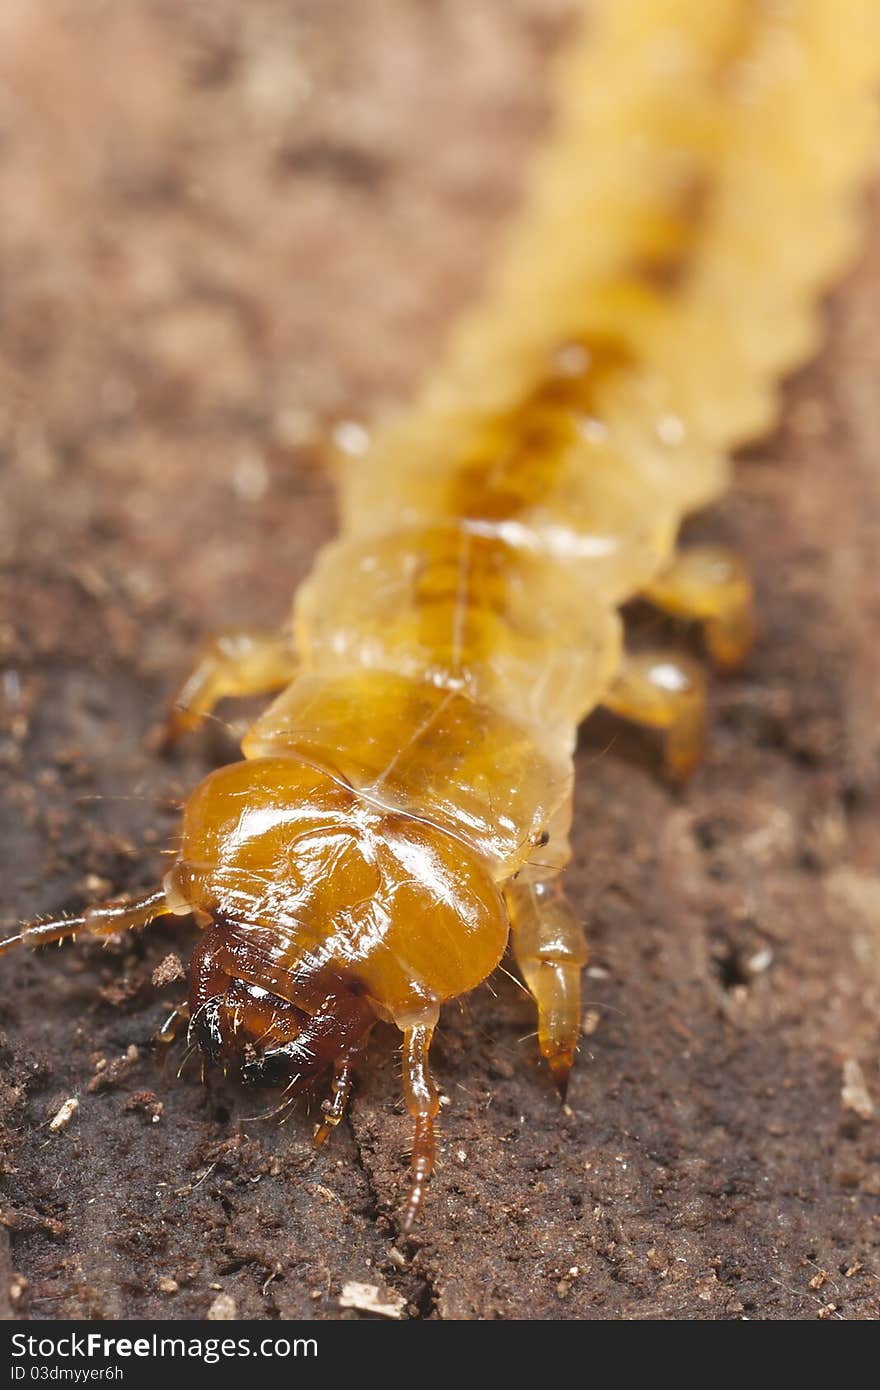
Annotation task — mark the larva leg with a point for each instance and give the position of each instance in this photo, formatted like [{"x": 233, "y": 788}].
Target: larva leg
[
  {"x": 340, "y": 1090},
  {"x": 242, "y": 661},
  {"x": 103, "y": 919},
  {"x": 710, "y": 585},
  {"x": 667, "y": 692},
  {"x": 422, "y": 1102},
  {"x": 551, "y": 951}
]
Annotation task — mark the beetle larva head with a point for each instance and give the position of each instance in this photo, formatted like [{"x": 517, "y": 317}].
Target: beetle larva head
[
  {"x": 266, "y": 1038},
  {"x": 327, "y": 910}
]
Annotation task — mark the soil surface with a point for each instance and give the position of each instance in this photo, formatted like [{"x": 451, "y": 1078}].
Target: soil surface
[{"x": 226, "y": 229}]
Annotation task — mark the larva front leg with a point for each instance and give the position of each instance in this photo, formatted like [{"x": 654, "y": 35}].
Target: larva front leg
[
  {"x": 551, "y": 951},
  {"x": 423, "y": 1103},
  {"x": 710, "y": 585},
  {"x": 664, "y": 691},
  {"x": 102, "y": 919},
  {"x": 340, "y": 1090},
  {"x": 238, "y": 662}
]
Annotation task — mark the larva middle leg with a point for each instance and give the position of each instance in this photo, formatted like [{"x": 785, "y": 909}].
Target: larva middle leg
[
  {"x": 238, "y": 662},
  {"x": 711, "y": 585},
  {"x": 551, "y": 951},
  {"x": 664, "y": 691}
]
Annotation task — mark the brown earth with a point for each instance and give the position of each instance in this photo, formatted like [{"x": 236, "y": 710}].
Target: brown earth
[{"x": 226, "y": 228}]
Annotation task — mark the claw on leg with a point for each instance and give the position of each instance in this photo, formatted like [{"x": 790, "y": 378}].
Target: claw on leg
[
  {"x": 242, "y": 661},
  {"x": 422, "y": 1103},
  {"x": 710, "y": 585},
  {"x": 551, "y": 951},
  {"x": 667, "y": 692}
]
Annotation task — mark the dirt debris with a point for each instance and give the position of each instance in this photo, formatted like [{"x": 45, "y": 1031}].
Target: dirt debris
[
  {"x": 63, "y": 1115},
  {"x": 369, "y": 1298}
]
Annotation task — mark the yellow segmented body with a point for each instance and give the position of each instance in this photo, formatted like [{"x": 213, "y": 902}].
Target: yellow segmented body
[{"x": 696, "y": 198}]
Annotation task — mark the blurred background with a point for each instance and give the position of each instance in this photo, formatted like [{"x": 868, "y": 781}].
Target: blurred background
[{"x": 226, "y": 226}]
